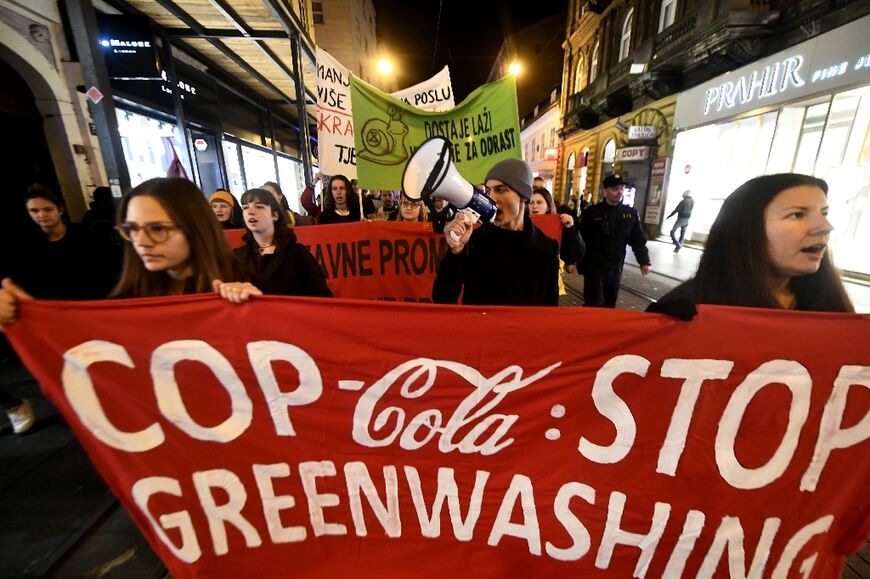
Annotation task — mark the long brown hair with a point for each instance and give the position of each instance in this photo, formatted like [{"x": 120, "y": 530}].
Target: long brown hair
[
  {"x": 210, "y": 255},
  {"x": 352, "y": 197},
  {"x": 735, "y": 266}
]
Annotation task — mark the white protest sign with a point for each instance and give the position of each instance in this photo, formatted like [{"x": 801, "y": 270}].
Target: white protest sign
[{"x": 335, "y": 116}]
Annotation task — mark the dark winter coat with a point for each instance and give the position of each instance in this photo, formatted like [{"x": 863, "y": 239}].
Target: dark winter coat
[
  {"x": 498, "y": 267},
  {"x": 290, "y": 271}
]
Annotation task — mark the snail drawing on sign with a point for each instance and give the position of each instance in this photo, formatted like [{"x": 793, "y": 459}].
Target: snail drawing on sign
[{"x": 384, "y": 142}]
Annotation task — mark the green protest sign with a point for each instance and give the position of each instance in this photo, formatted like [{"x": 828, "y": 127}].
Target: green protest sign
[{"x": 483, "y": 129}]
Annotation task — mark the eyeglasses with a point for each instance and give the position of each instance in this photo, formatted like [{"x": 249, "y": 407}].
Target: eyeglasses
[
  {"x": 411, "y": 203},
  {"x": 156, "y": 232}
]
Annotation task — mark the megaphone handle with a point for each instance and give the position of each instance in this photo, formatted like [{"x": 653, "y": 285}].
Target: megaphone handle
[{"x": 473, "y": 217}]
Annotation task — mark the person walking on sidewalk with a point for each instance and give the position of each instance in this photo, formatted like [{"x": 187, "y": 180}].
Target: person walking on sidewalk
[
  {"x": 683, "y": 212},
  {"x": 607, "y": 227}
]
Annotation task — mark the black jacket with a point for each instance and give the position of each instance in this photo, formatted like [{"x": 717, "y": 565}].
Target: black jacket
[
  {"x": 501, "y": 268},
  {"x": 607, "y": 229},
  {"x": 572, "y": 249},
  {"x": 290, "y": 271}
]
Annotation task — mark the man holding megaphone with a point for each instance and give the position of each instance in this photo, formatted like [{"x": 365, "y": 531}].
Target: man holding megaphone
[{"x": 507, "y": 261}]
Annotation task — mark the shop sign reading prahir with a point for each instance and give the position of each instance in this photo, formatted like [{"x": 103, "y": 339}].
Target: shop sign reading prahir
[{"x": 829, "y": 61}]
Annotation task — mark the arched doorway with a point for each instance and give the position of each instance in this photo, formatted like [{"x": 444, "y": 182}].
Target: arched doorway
[{"x": 27, "y": 159}]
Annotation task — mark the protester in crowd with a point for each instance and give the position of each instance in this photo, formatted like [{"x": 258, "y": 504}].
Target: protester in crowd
[
  {"x": 683, "y": 211},
  {"x": 572, "y": 248},
  {"x": 174, "y": 246},
  {"x": 102, "y": 211},
  {"x": 538, "y": 183},
  {"x": 508, "y": 261},
  {"x": 410, "y": 210},
  {"x": 293, "y": 219},
  {"x": 607, "y": 227},
  {"x": 226, "y": 209},
  {"x": 768, "y": 248},
  {"x": 99, "y": 220},
  {"x": 440, "y": 213},
  {"x": 309, "y": 200},
  {"x": 66, "y": 262},
  {"x": 340, "y": 202},
  {"x": 271, "y": 256},
  {"x": 368, "y": 206},
  {"x": 585, "y": 202},
  {"x": 388, "y": 206}
]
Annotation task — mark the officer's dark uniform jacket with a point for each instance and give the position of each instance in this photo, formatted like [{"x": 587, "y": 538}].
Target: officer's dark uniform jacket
[
  {"x": 607, "y": 229},
  {"x": 498, "y": 267}
]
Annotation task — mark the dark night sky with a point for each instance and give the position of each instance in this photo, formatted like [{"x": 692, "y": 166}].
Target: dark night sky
[{"x": 469, "y": 36}]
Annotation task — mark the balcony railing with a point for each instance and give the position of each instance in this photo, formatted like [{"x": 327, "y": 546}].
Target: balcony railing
[
  {"x": 619, "y": 72},
  {"x": 672, "y": 37}
]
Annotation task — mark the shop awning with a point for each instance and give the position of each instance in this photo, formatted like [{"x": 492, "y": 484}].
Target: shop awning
[{"x": 250, "y": 40}]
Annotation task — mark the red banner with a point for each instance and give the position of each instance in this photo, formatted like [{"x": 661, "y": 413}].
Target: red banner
[
  {"x": 381, "y": 260},
  {"x": 340, "y": 438}
]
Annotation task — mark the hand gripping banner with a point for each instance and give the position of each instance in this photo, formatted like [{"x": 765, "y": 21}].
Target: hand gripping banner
[{"x": 346, "y": 438}]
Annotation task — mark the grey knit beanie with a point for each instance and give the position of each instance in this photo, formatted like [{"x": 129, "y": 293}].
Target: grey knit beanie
[{"x": 514, "y": 173}]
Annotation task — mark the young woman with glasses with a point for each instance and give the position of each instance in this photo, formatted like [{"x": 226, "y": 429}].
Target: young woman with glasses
[
  {"x": 409, "y": 210},
  {"x": 174, "y": 246}
]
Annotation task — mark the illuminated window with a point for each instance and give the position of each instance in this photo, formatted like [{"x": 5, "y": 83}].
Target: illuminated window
[
  {"x": 578, "y": 74},
  {"x": 666, "y": 17},
  {"x": 625, "y": 39},
  {"x": 593, "y": 68},
  {"x": 569, "y": 176}
]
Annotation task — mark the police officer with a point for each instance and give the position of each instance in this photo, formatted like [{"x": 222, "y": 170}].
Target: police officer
[{"x": 607, "y": 227}]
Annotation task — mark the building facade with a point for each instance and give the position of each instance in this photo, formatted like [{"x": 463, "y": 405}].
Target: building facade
[
  {"x": 347, "y": 29},
  {"x": 627, "y": 60},
  {"x": 805, "y": 109},
  {"x": 539, "y": 138},
  {"x": 217, "y": 102}
]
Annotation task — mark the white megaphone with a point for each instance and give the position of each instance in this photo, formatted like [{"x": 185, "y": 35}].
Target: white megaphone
[{"x": 430, "y": 173}]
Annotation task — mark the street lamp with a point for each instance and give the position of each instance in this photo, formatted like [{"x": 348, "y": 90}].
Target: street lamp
[
  {"x": 385, "y": 66},
  {"x": 515, "y": 68}
]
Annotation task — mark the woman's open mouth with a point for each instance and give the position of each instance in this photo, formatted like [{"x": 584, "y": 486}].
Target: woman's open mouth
[{"x": 817, "y": 249}]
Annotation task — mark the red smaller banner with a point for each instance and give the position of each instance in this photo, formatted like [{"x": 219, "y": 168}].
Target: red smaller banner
[{"x": 381, "y": 260}]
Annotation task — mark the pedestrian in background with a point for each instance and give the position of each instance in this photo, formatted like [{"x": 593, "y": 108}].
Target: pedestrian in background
[
  {"x": 683, "y": 211},
  {"x": 607, "y": 227}
]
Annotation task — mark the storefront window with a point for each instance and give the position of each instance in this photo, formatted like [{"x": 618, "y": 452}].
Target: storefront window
[
  {"x": 714, "y": 160},
  {"x": 150, "y": 146},
  {"x": 584, "y": 173},
  {"x": 259, "y": 166},
  {"x": 569, "y": 176},
  {"x": 292, "y": 179},
  {"x": 826, "y": 136},
  {"x": 811, "y": 137},
  {"x": 234, "y": 169},
  {"x": 847, "y": 171}
]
